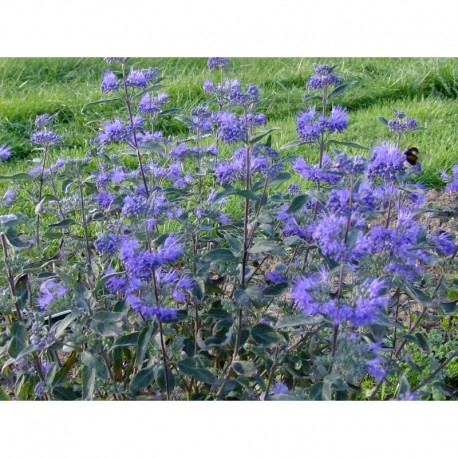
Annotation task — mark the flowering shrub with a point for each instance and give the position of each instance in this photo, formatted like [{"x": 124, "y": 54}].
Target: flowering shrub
[{"x": 219, "y": 267}]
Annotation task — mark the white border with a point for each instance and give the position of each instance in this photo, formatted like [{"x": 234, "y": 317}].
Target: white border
[
  {"x": 236, "y": 28},
  {"x": 228, "y": 429},
  {"x": 328, "y": 28}
]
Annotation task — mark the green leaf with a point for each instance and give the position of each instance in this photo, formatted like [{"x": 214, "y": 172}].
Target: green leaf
[
  {"x": 417, "y": 339},
  {"x": 246, "y": 368},
  {"x": 144, "y": 339},
  {"x": 142, "y": 379},
  {"x": 404, "y": 385},
  {"x": 39, "y": 206},
  {"x": 234, "y": 243},
  {"x": 247, "y": 194},
  {"x": 265, "y": 246},
  {"x": 98, "y": 102},
  {"x": 422, "y": 342},
  {"x": 297, "y": 203},
  {"x": 88, "y": 382},
  {"x": 218, "y": 312},
  {"x": 262, "y": 135},
  {"x": 66, "y": 368},
  {"x": 53, "y": 235},
  {"x": 64, "y": 394},
  {"x": 50, "y": 374},
  {"x": 17, "y": 177},
  {"x": 219, "y": 254},
  {"x": 316, "y": 392},
  {"x": 449, "y": 307},
  {"x": 279, "y": 179},
  {"x": 341, "y": 89},
  {"x": 26, "y": 351},
  {"x": 193, "y": 367},
  {"x": 128, "y": 340},
  {"x": 349, "y": 144},
  {"x": 275, "y": 290},
  {"x": 17, "y": 344},
  {"x": 105, "y": 328},
  {"x": 295, "y": 143},
  {"x": 11, "y": 220},
  {"x": 62, "y": 325},
  {"x": 170, "y": 111},
  {"x": 417, "y": 295},
  {"x": 308, "y": 97},
  {"x": 101, "y": 281},
  {"x": 266, "y": 336},
  {"x": 160, "y": 378},
  {"x": 3, "y": 395},
  {"x": 22, "y": 290},
  {"x": 94, "y": 362},
  {"x": 14, "y": 241},
  {"x": 66, "y": 279},
  {"x": 63, "y": 224},
  {"x": 242, "y": 298},
  {"x": 297, "y": 320},
  {"x": 382, "y": 120}
]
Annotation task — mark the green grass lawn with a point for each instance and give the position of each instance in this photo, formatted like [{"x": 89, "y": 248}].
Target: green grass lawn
[{"x": 426, "y": 89}]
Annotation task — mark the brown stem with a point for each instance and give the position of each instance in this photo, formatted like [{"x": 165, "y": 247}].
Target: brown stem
[
  {"x": 40, "y": 195},
  {"x": 134, "y": 135},
  {"x": 86, "y": 235},
  {"x": 164, "y": 359},
  {"x": 434, "y": 373},
  {"x": 10, "y": 277},
  {"x": 271, "y": 375},
  {"x": 398, "y": 351}
]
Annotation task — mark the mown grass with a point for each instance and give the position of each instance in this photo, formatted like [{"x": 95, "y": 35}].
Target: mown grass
[{"x": 426, "y": 89}]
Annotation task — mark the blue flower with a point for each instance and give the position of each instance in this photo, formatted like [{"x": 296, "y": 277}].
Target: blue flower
[
  {"x": 246, "y": 99},
  {"x": 107, "y": 243},
  {"x": 443, "y": 243},
  {"x": 8, "y": 197},
  {"x": 40, "y": 137},
  {"x": 151, "y": 74},
  {"x": 337, "y": 120},
  {"x": 134, "y": 206},
  {"x": 214, "y": 63},
  {"x": 43, "y": 120},
  {"x": 310, "y": 126},
  {"x": 323, "y": 77},
  {"x": 231, "y": 129},
  {"x": 315, "y": 173},
  {"x": 452, "y": 181},
  {"x": 258, "y": 119},
  {"x": 136, "y": 78},
  {"x": 111, "y": 60},
  {"x": 201, "y": 119},
  {"x": 401, "y": 123},
  {"x": 110, "y": 82},
  {"x": 104, "y": 199},
  {"x": 330, "y": 232},
  {"x": 113, "y": 131},
  {"x": 152, "y": 105},
  {"x": 228, "y": 172},
  {"x": 50, "y": 291},
  {"x": 386, "y": 162},
  {"x": 274, "y": 277},
  {"x": 279, "y": 388},
  {"x": 5, "y": 152},
  {"x": 370, "y": 302}
]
